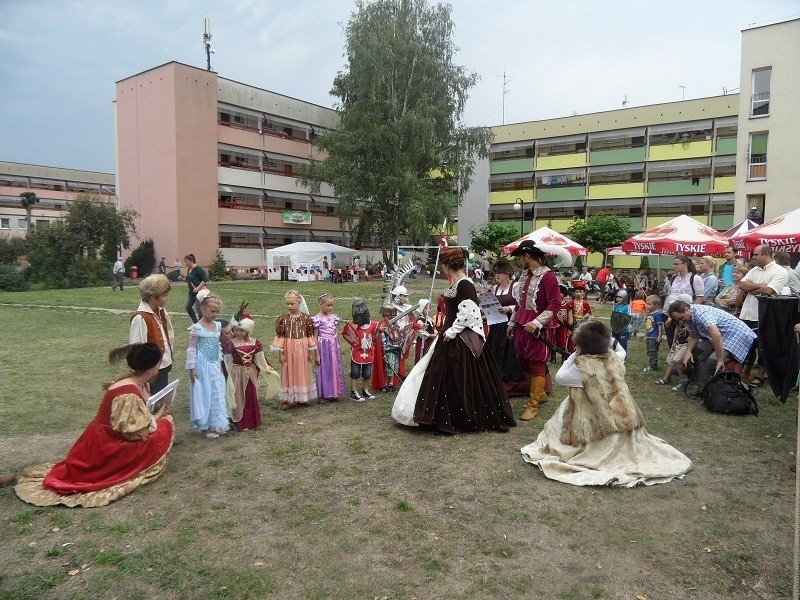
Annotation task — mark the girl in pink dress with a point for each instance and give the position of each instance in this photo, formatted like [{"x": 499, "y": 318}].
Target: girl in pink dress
[
  {"x": 330, "y": 372},
  {"x": 294, "y": 340}
]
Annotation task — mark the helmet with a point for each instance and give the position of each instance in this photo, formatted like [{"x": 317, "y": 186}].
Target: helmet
[
  {"x": 622, "y": 294},
  {"x": 400, "y": 290}
]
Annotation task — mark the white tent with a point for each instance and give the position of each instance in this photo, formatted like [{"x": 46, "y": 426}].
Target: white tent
[{"x": 305, "y": 261}]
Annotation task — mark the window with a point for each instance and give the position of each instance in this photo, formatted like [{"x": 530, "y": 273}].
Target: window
[
  {"x": 755, "y": 207},
  {"x": 759, "y": 99},
  {"x": 22, "y": 224},
  {"x": 5, "y": 223},
  {"x": 758, "y": 156}
]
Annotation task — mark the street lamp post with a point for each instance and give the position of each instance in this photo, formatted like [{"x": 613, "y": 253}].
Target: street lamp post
[{"x": 520, "y": 206}]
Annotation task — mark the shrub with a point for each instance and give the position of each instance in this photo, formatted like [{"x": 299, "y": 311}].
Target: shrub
[
  {"x": 12, "y": 279},
  {"x": 144, "y": 257}
]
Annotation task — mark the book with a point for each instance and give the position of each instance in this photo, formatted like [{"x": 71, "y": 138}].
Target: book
[
  {"x": 490, "y": 306},
  {"x": 162, "y": 398}
]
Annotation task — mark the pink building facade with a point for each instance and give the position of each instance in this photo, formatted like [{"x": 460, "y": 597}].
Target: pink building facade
[
  {"x": 55, "y": 187},
  {"x": 210, "y": 163}
]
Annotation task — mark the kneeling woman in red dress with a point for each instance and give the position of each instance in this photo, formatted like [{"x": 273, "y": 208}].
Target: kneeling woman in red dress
[{"x": 123, "y": 448}]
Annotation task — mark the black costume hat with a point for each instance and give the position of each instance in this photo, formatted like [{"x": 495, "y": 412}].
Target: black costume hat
[
  {"x": 143, "y": 356},
  {"x": 529, "y": 247}
]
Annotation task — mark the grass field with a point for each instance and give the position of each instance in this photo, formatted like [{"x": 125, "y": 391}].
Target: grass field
[{"x": 339, "y": 502}]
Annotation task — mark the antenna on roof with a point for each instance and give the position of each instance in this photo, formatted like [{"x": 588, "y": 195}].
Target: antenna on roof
[
  {"x": 207, "y": 42},
  {"x": 625, "y": 101},
  {"x": 506, "y": 79},
  {"x": 683, "y": 91}
]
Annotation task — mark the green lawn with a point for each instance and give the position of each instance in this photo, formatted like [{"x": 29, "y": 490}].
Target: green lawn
[{"x": 339, "y": 502}]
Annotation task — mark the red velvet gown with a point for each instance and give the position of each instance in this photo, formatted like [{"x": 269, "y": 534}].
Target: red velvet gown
[{"x": 102, "y": 465}]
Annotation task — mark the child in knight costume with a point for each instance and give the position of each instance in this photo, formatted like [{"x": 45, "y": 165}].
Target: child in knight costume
[{"x": 362, "y": 334}]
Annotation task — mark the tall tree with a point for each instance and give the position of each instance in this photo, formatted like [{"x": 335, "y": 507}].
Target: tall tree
[
  {"x": 492, "y": 236},
  {"x": 599, "y": 232},
  {"x": 400, "y": 159},
  {"x": 27, "y": 200}
]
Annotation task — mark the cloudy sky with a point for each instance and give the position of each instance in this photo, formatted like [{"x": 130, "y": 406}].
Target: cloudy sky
[{"x": 59, "y": 59}]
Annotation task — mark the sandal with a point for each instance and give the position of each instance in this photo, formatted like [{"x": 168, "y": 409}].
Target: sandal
[{"x": 661, "y": 382}]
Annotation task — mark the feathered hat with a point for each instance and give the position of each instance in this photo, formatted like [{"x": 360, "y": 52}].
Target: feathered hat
[
  {"x": 394, "y": 280},
  {"x": 242, "y": 320}
]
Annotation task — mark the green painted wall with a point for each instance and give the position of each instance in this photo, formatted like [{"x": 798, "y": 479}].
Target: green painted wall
[
  {"x": 549, "y": 194},
  {"x": 722, "y": 222},
  {"x": 678, "y": 187},
  {"x": 726, "y": 146},
  {"x": 514, "y": 165},
  {"x": 613, "y": 157}
]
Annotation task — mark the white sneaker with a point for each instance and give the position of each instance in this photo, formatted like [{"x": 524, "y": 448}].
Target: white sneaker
[
  {"x": 647, "y": 370},
  {"x": 367, "y": 395},
  {"x": 357, "y": 397}
]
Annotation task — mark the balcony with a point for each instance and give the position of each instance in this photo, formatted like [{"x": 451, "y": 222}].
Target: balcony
[
  {"x": 679, "y": 187},
  {"x": 616, "y": 190},
  {"x": 515, "y": 165},
  {"x": 561, "y": 161},
  {"x": 725, "y": 184},
  {"x": 680, "y": 150},
  {"x": 510, "y": 196},
  {"x": 613, "y": 157},
  {"x": 559, "y": 193},
  {"x": 726, "y": 146}
]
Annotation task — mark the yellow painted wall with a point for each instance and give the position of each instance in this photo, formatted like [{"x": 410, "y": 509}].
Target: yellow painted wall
[
  {"x": 561, "y": 161},
  {"x": 673, "y": 151},
  {"x": 510, "y": 196},
  {"x": 616, "y": 190},
  {"x": 725, "y": 184},
  {"x": 654, "y": 221}
]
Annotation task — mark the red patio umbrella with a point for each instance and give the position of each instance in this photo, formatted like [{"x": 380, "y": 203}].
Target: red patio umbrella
[
  {"x": 781, "y": 233},
  {"x": 681, "y": 235},
  {"x": 547, "y": 237}
]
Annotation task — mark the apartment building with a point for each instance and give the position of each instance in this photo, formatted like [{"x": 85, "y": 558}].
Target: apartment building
[
  {"x": 212, "y": 163},
  {"x": 55, "y": 187},
  {"x": 767, "y": 176},
  {"x": 705, "y": 157},
  {"x": 645, "y": 165}
]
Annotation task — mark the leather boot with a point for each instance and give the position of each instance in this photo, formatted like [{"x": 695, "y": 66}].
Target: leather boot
[{"x": 537, "y": 394}]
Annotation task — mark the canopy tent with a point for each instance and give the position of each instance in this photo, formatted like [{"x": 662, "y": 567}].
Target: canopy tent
[
  {"x": 739, "y": 229},
  {"x": 681, "y": 235},
  {"x": 781, "y": 233},
  {"x": 304, "y": 261},
  {"x": 546, "y": 236}
]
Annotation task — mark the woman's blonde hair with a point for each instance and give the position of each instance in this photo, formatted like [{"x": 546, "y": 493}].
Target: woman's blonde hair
[
  {"x": 291, "y": 293},
  {"x": 321, "y": 298},
  {"x": 711, "y": 262}
]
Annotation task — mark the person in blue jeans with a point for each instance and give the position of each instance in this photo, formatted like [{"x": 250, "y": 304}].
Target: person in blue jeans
[{"x": 654, "y": 331}]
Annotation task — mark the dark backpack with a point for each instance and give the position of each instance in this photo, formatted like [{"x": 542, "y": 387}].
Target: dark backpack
[{"x": 726, "y": 394}]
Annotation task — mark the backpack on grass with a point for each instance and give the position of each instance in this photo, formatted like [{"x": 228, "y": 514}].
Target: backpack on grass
[{"x": 726, "y": 394}]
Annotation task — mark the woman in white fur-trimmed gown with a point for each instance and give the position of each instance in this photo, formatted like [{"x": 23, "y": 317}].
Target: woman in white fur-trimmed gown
[{"x": 597, "y": 435}]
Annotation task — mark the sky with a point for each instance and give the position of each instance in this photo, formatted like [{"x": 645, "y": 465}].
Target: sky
[{"x": 60, "y": 59}]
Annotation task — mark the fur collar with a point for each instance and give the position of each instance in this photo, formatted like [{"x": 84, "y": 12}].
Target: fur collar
[{"x": 603, "y": 406}]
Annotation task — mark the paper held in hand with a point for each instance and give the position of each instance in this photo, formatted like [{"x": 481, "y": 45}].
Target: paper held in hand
[
  {"x": 162, "y": 398},
  {"x": 490, "y": 306}
]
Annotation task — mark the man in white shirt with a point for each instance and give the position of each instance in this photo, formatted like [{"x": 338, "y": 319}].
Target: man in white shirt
[
  {"x": 766, "y": 278},
  {"x": 119, "y": 274}
]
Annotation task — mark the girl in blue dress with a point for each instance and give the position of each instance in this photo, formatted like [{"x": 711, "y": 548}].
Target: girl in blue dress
[{"x": 207, "y": 404}]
